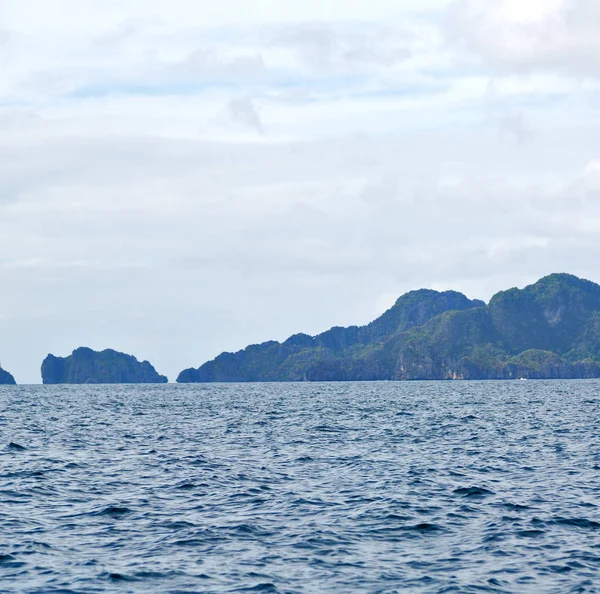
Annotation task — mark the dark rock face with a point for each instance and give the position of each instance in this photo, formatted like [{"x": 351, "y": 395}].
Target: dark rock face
[
  {"x": 6, "y": 378},
  {"x": 550, "y": 329},
  {"x": 85, "y": 366}
]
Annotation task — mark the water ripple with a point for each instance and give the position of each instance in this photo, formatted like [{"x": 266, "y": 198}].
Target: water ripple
[{"x": 367, "y": 487}]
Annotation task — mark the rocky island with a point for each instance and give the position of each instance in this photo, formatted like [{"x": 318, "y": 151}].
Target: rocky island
[
  {"x": 550, "y": 329},
  {"x": 6, "y": 378},
  {"x": 85, "y": 366}
]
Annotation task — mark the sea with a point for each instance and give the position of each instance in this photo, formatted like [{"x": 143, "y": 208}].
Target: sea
[{"x": 431, "y": 487}]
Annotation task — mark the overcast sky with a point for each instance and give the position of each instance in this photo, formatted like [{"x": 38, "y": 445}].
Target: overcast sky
[{"x": 184, "y": 177}]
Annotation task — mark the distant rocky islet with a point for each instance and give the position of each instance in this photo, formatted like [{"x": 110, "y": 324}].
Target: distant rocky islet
[{"x": 86, "y": 366}]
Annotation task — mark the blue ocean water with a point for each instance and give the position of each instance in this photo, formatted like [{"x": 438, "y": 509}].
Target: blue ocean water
[{"x": 340, "y": 487}]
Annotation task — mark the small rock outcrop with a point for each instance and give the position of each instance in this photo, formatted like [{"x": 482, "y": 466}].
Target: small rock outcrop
[
  {"x": 85, "y": 366},
  {"x": 6, "y": 378}
]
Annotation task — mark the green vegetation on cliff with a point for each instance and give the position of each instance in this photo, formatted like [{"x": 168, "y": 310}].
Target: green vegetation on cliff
[
  {"x": 85, "y": 366},
  {"x": 550, "y": 329}
]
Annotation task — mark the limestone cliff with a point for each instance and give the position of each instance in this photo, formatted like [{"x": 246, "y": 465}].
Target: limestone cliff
[
  {"x": 85, "y": 366},
  {"x": 550, "y": 329}
]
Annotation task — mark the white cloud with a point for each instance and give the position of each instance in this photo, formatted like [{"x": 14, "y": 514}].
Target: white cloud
[
  {"x": 325, "y": 48},
  {"x": 592, "y": 169},
  {"x": 244, "y": 111},
  {"x": 561, "y": 36}
]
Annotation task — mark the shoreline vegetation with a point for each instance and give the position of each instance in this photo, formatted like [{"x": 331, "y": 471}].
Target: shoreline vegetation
[{"x": 548, "y": 330}]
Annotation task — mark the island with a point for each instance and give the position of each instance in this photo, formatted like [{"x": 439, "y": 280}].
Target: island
[
  {"x": 6, "y": 379},
  {"x": 85, "y": 366},
  {"x": 550, "y": 329}
]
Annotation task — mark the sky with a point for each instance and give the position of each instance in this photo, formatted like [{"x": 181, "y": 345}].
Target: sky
[{"x": 183, "y": 178}]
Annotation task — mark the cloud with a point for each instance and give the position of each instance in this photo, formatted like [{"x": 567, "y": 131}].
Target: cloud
[
  {"x": 560, "y": 36},
  {"x": 244, "y": 111},
  {"x": 243, "y": 67},
  {"x": 324, "y": 47},
  {"x": 514, "y": 126}
]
